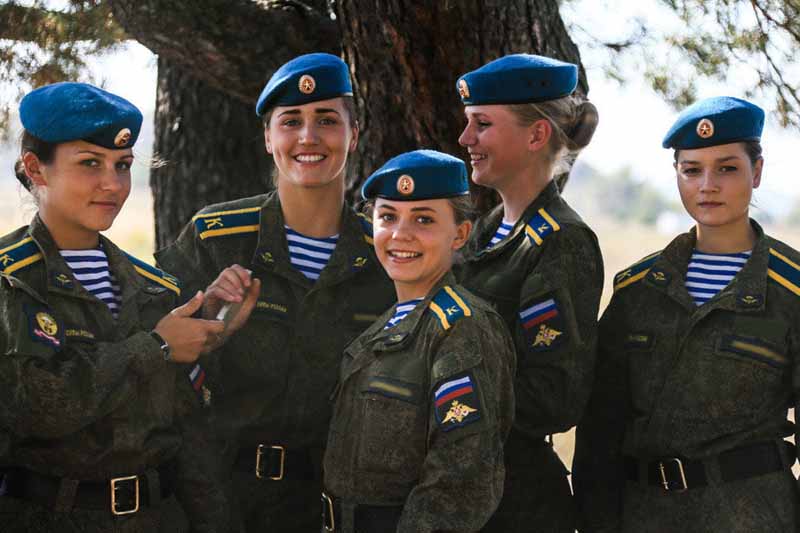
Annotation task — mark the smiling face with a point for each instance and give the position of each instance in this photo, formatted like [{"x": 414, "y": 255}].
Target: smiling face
[
  {"x": 415, "y": 242},
  {"x": 81, "y": 190},
  {"x": 716, "y": 184},
  {"x": 500, "y": 149},
  {"x": 309, "y": 143}
]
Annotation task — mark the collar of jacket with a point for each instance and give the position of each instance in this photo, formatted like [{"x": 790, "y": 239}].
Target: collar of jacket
[
  {"x": 488, "y": 226},
  {"x": 400, "y": 335},
  {"x": 351, "y": 255},
  {"x": 58, "y": 277},
  {"x": 747, "y": 292}
]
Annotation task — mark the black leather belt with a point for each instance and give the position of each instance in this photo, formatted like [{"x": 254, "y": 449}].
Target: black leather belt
[
  {"x": 677, "y": 474},
  {"x": 275, "y": 463},
  {"x": 366, "y": 518},
  {"x": 121, "y": 495}
]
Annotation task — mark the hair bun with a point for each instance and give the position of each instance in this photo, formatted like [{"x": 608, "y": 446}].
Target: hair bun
[{"x": 585, "y": 125}]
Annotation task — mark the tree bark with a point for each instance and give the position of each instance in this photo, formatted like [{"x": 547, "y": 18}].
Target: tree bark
[
  {"x": 212, "y": 146},
  {"x": 407, "y": 56}
]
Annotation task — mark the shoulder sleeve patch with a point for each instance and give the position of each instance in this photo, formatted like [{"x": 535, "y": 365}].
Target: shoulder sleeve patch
[
  {"x": 449, "y": 307},
  {"x": 542, "y": 325},
  {"x": 635, "y": 272},
  {"x": 197, "y": 378},
  {"x": 19, "y": 255},
  {"x": 456, "y": 401},
  {"x": 541, "y": 225},
  {"x": 155, "y": 275},
  {"x": 220, "y": 223},
  {"x": 366, "y": 225},
  {"x": 784, "y": 271}
]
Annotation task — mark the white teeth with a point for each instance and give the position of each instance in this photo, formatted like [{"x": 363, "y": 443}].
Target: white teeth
[
  {"x": 477, "y": 157},
  {"x": 309, "y": 158},
  {"x": 404, "y": 255}
]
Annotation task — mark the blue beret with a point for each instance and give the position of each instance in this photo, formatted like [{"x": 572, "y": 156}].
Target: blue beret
[
  {"x": 69, "y": 111},
  {"x": 518, "y": 79},
  {"x": 305, "y": 79},
  {"x": 418, "y": 175},
  {"x": 714, "y": 121}
]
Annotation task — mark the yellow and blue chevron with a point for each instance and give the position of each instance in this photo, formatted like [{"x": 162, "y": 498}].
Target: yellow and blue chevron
[
  {"x": 366, "y": 225},
  {"x": 155, "y": 275},
  {"x": 19, "y": 255},
  {"x": 449, "y": 307},
  {"x": 635, "y": 272},
  {"x": 540, "y": 225},
  {"x": 784, "y": 271},
  {"x": 220, "y": 223}
]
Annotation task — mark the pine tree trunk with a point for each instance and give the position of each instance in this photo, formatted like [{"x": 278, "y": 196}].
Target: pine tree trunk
[
  {"x": 213, "y": 150},
  {"x": 407, "y": 56}
]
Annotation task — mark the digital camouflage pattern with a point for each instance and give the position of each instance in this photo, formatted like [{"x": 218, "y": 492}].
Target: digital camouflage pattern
[
  {"x": 276, "y": 373},
  {"x": 87, "y": 397},
  {"x": 390, "y": 444},
  {"x": 545, "y": 279},
  {"x": 677, "y": 380}
]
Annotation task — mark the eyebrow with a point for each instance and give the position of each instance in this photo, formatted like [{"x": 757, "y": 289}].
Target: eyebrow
[
  {"x": 317, "y": 110},
  {"x": 414, "y": 209},
  {"x": 720, "y": 160}
]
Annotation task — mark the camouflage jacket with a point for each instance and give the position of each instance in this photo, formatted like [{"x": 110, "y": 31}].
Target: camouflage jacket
[
  {"x": 421, "y": 413},
  {"x": 276, "y": 373},
  {"x": 545, "y": 279},
  {"x": 82, "y": 395},
  {"x": 678, "y": 380}
]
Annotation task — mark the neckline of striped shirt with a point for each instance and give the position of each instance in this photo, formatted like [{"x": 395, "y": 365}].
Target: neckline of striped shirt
[
  {"x": 90, "y": 268},
  {"x": 401, "y": 311},
  {"x": 309, "y": 255},
  {"x": 502, "y": 232},
  {"x": 708, "y": 273}
]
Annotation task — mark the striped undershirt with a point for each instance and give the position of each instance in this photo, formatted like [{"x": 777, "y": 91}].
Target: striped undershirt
[
  {"x": 309, "y": 255},
  {"x": 90, "y": 268},
  {"x": 710, "y": 273},
  {"x": 502, "y": 231},
  {"x": 401, "y": 311}
]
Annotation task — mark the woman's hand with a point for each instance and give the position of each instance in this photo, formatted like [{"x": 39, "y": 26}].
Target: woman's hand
[
  {"x": 188, "y": 337},
  {"x": 236, "y": 286}
]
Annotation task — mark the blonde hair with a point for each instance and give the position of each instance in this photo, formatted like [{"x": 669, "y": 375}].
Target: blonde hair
[{"x": 573, "y": 120}]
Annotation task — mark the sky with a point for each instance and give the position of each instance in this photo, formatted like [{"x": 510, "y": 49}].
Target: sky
[{"x": 633, "y": 119}]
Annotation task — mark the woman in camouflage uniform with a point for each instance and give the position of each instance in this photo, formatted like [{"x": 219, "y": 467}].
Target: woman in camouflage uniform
[
  {"x": 99, "y": 389},
  {"x": 320, "y": 287},
  {"x": 424, "y": 400},
  {"x": 698, "y": 359},
  {"x": 538, "y": 263}
]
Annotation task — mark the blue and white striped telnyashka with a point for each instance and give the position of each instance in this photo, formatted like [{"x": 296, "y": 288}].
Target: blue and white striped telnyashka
[
  {"x": 502, "y": 232},
  {"x": 401, "y": 311},
  {"x": 309, "y": 255},
  {"x": 90, "y": 268},
  {"x": 710, "y": 273}
]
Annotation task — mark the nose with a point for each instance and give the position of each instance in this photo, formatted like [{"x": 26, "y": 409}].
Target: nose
[
  {"x": 403, "y": 231},
  {"x": 708, "y": 183},
  {"x": 111, "y": 180},
  {"x": 308, "y": 134},
  {"x": 467, "y": 137}
]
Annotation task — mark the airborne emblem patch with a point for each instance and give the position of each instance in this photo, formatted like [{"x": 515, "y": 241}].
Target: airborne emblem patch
[
  {"x": 542, "y": 325},
  {"x": 44, "y": 328},
  {"x": 456, "y": 402}
]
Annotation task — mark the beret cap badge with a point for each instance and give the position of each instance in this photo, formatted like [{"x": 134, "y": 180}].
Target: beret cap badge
[
  {"x": 405, "y": 184},
  {"x": 705, "y": 128},
  {"x": 463, "y": 88},
  {"x": 123, "y": 137},
  {"x": 307, "y": 84}
]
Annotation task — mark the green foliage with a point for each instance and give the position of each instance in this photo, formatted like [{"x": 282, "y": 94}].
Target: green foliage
[{"x": 40, "y": 44}]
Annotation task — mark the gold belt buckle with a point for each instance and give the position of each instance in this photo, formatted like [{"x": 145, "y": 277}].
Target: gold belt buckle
[
  {"x": 663, "y": 474},
  {"x": 114, "y": 482},
  {"x": 260, "y": 453},
  {"x": 327, "y": 517}
]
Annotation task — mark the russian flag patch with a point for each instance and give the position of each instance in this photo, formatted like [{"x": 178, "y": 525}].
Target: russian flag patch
[
  {"x": 197, "y": 378},
  {"x": 542, "y": 325},
  {"x": 456, "y": 402}
]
